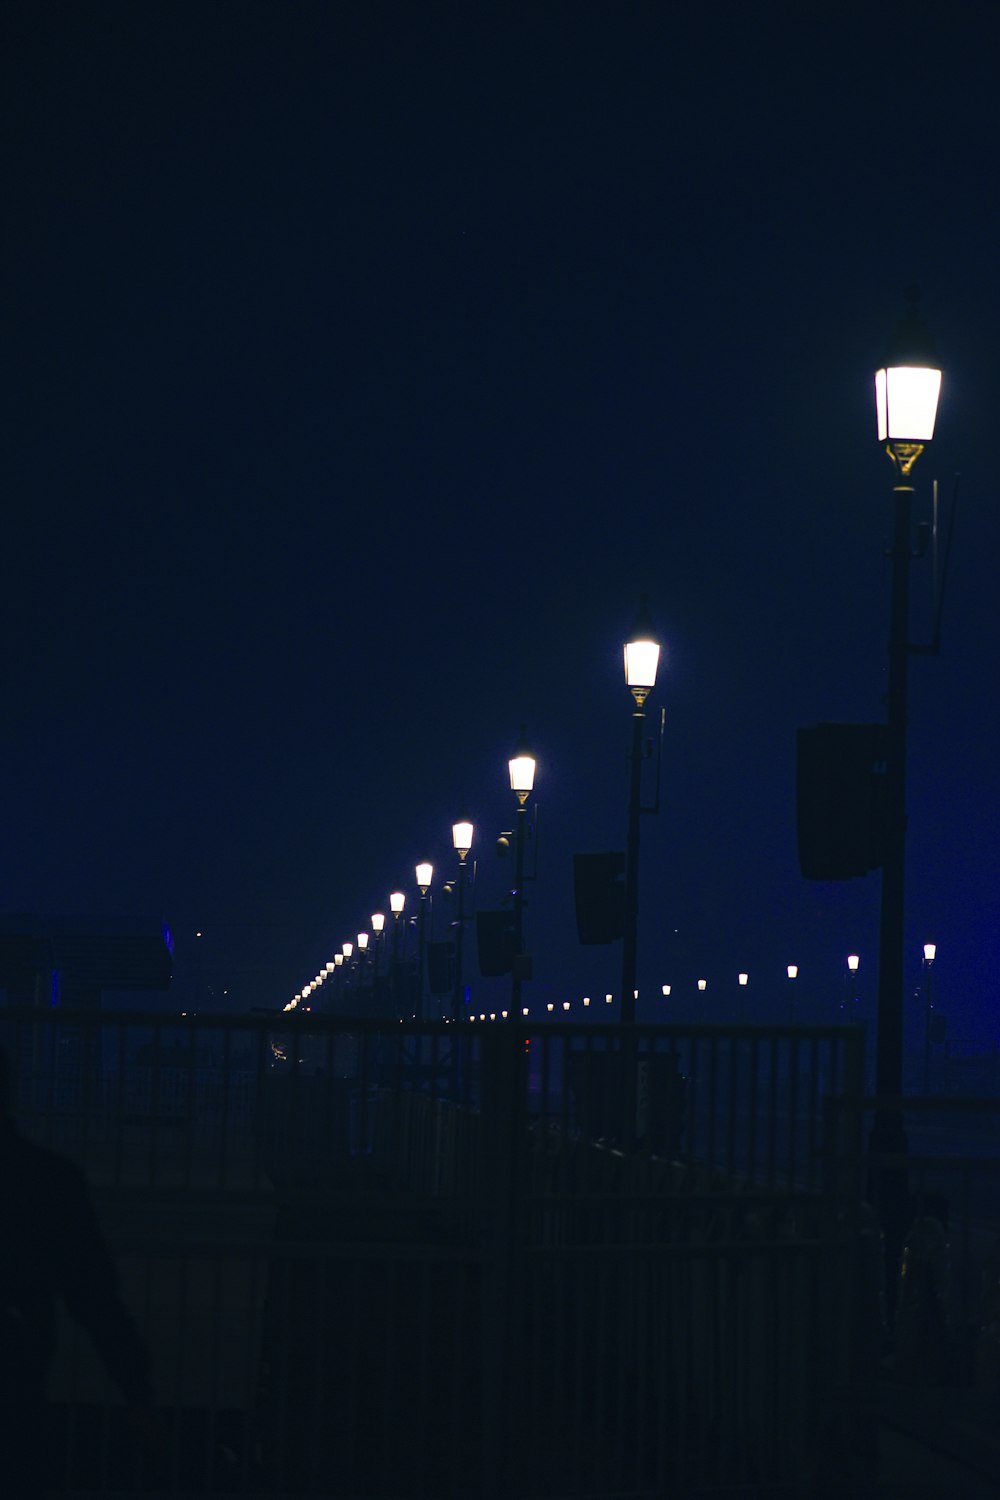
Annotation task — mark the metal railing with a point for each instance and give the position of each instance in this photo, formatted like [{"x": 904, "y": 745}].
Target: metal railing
[{"x": 532, "y": 1262}]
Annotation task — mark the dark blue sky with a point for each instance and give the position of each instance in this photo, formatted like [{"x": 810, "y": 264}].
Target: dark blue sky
[{"x": 363, "y": 363}]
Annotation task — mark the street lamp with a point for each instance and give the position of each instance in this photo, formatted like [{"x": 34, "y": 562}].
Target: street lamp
[
  {"x": 461, "y": 838},
  {"x": 850, "y": 997},
  {"x": 642, "y": 655},
  {"x": 425, "y": 874},
  {"x": 906, "y": 399},
  {"x": 521, "y": 767},
  {"x": 397, "y": 901},
  {"x": 930, "y": 954}
]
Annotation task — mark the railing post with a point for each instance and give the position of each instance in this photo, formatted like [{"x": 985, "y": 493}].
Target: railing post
[{"x": 503, "y": 1123}]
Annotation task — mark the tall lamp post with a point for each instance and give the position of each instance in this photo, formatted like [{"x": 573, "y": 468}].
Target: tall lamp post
[
  {"x": 930, "y": 954},
  {"x": 397, "y": 901},
  {"x": 461, "y": 838},
  {"x": 424, "y": 874},
  {"x": 521, "y": 767},
  {"x": 850, "y": 995},
  {"x": 642, "y": 654},
  {"x": 906, "y": 399}
]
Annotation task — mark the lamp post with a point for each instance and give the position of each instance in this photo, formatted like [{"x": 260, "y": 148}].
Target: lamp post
[
  {"x": 930, "y": 954},
  {"x": 424, "y": 874},
  {"x": 378, "y": 927},
  {"x": 461, "y": 838},
  {"x": 642, "y": 654},
  {"x": 521, "y": 767},
  {"x": 906, "y": 399},
  {"x": 397, "y": 901},
  {"x": 850, "y": 997}
]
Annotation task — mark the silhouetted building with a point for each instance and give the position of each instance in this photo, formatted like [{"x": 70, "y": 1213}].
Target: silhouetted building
[{"x": 75, "y": 961}]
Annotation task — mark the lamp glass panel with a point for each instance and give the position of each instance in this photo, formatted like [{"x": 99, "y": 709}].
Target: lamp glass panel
[
  {"x": 906, "y": 402},
  {"x": 930, "y": 952},
  {"x": 641, "y": 659},
  {"x": 425, "y": 874},
  {"x": 461, "y": 834},
  {"x": 378, "y": 921},
  {"x": 396, "y": 902},
  {"x": 522, "y": 773}
]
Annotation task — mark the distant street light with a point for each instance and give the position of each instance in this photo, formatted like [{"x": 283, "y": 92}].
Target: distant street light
[
  {"x": 521, "y": 768},
  {"x": 397, "y": 901},
  {"x": 424, "y": 875},
  {"x": 461, "y": 838},
  {"x": 642, "y": 655},
  {"x": 930, "y": 954}
]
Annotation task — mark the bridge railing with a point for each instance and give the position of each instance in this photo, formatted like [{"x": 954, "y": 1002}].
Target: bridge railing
[{"x": 560, "y": 1260}]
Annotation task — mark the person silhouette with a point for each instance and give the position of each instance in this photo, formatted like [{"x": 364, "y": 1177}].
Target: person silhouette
[{"x": 51, "y": 1249}]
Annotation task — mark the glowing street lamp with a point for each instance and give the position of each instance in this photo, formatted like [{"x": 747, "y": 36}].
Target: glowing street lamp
[
  {"x": 642, "y": 655},
  {"x": 397, "y": 901},
  {"x": 907, "y": 388},
  {"x": 424, "y": 875},
  {"x": 461, "y": 838},
  {"x": 521, "y": 768},
  {"x": 850, "y": 996},
  {"x": 930, "y": 954}
]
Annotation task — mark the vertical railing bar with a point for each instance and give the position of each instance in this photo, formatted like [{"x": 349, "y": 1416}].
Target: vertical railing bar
[
  {"x": 713, "y": 1102},
  {"x": 191, "y": 1107},
  {"x": 793, "y": 1103},
  {"x": 734, "y": 1052},
  {"x": 118, "y": 1150},
  {"x": 225, "y": 1104},
  {"x": 754, "y": 1079},
  {"x": 772, "y": 1107},
  {"x": 692, "y": 1093},
  {"x": 815, "y": 1105}
]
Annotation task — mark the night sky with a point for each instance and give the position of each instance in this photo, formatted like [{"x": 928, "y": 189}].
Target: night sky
[{"x": 365, "y": 362}]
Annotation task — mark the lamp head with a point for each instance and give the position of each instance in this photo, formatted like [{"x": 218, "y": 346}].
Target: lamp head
[
  {"x": 907, "y": 388},
  {"x": 378, "y": 921},
  {"x": 425, "y": 874},
  {"x": 642, "y": 655},
  {"x": 396, "y": 902},
  {"x": 461, "y": 837},
  {"x": 522, "y": 770},
  {"x": 930, "y": 952}
]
